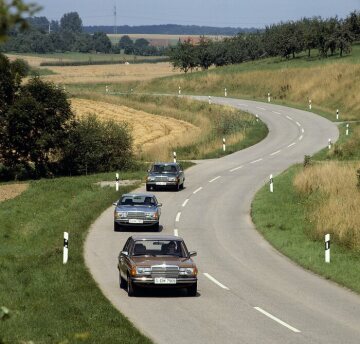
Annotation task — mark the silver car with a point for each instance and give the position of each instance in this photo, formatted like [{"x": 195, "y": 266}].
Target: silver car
[
  {"x": 139, "y": 210},
  {"x": 165, "y": 175}
]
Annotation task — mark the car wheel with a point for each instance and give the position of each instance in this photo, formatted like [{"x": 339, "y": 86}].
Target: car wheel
[
  {"x": 192, "y": 291},
  {"x": 122, "y": 282},
  {"x": 130, "y": 287},
  {"x": 147, "y": 188},
  {"x": 156, "y": 227},
  {"x": 177, "y": 187},
  {"x": 117, "y": 227},
  {"x": 182, "y": 186}
]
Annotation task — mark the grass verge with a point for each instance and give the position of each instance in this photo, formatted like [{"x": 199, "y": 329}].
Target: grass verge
[
  {"x": 50, "y": 302},
  {"x": 282, "y": 218}
]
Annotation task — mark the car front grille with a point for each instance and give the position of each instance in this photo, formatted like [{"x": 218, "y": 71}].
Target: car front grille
[
  {"x": 140, "y": 215},
  {"x": 161, "y": 179},
  {"x": 167, "y": 271}
]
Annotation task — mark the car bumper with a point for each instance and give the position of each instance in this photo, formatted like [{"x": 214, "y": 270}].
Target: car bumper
[
  {"x": 150, "y": 282},
  {"x": 144, "y": 223},
  {"x": 161, "y": 184}
]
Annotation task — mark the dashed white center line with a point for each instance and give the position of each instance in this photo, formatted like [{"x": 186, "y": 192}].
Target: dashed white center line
[
  {"x": 212, "y": 180},
  {"x": 242, "y": 105},
  {"x": 298, "y": 124},
  {"x": 253, "y": 162},
  {"x": 185, "y": 202},
  {"x": 301, "y": 137},
  {"x": 277, "y": 152},
  {"x": 236, "y": 168},
  {"x": 302, "y": 130},
  {"x": 197, "y": 190},
  {"x": 293, "y": 144},
  {"x": 176, "y": 232},
  {"x": 177, "y": 219},
  {"x": 277, "y": 320},
  {"x": 278, "y": 113},
  {"x": 260, "y": 108},
  {"x": 288, "y": 117},
  {"x": 215, "y": 281}
]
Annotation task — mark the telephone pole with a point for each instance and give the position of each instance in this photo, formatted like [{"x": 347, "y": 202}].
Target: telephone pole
[{"x": 115, "y": 25}]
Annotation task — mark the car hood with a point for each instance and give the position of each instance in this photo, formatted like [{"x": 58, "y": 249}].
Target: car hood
[
  {"x": 137, "y": 208},
  {"x": 142, "y": 261}
]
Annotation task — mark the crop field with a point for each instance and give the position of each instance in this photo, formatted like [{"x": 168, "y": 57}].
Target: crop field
[
  {"x": 10, "y": 191},
  {"x": 150, "y": 132}
]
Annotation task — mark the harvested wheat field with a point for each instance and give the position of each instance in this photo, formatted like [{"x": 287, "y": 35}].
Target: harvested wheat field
[
  {"x": 33, "y": 61},
  {"x": 153, "y": 135},
  {"x": 109, "y": 73},
  {"x": 10, "y": 191}
]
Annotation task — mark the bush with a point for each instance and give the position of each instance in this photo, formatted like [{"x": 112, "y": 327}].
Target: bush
[{"x": 98, "y": 146}]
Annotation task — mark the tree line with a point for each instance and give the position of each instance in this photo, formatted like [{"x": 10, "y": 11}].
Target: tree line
[
  {"x": 41, "y": 137},
  {"x": 44, "y": 36},
  {"x": 286, "y": 39}
]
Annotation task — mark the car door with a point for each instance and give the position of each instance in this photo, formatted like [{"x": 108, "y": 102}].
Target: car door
[
  {"x": 124, "y": 260},
  {"x": 157, "y": 206},
  {"x": 182, "y": 175}
]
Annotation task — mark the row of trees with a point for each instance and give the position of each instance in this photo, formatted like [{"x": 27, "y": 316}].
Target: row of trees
[
  {"x": 67, "y": 35},
  {"x": 41, "y": 137},
  {"x": 285, "y": 40}
]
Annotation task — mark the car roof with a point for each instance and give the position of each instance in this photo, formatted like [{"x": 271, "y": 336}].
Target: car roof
[
  {"x": 138, "y": 237},
  {"x": 138, "y": 194},
  {"x": 166, "y": 163}
]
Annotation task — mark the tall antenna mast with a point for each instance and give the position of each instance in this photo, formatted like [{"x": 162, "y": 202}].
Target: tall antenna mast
[{"x": 115, "y": 26}]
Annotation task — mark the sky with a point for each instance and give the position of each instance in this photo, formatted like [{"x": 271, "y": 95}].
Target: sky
[{"x": 220, "y": 13}]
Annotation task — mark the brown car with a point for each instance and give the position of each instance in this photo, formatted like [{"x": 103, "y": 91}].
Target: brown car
[{"x": 157, "y": 261}]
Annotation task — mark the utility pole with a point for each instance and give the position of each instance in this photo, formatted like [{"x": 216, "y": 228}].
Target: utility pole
[{"x": 115, "y": 24}]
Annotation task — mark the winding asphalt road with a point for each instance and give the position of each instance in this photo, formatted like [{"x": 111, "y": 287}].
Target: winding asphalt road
[{"x": 248, "y": 292}]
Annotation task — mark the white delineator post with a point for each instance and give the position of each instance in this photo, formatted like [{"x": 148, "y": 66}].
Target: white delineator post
[
  {"x": 224, "y": 144},
  {"x": 269, "y": 98},
  {"x": 257, "y": 118},
  {"x": 117, "y": 181},
  {"x": 337, "y": 114},
  {"x": 174, "y": 155},
  {"x": 271, "y": 183},
  {"x": 309, "y": 104},
  {"x": 66, "y": 247},
  {"x": 107, "y": 89},
  {"x": 179, "y": 90},
  {"x": 209, "y": 100},
  {"x": 327, "y": 248},
  {"x": 347, "y": 129},
  {"x": 329, "y": 144},
  {"x": 225, "y": 92}
]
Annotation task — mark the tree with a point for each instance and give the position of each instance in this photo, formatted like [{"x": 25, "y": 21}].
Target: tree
[
  {"x": 11, "y": 14},
  {"x": 126, "y": 44},
  {"x": 101, "y": 42},
  {"x": 343, "y": 37},
  {"x": 71, "y": 22},
  {"x": 183, "y": 56},
  {"x": 204, "y": 52},
  {"x": 39, "y": 23}
]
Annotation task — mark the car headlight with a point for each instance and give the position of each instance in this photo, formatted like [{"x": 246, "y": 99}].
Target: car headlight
[
  {"x": 150, "y": 179},
  {"x": 143, "y": 271},
  {"x": 188, "y": 271},
  {"x": 120, "y": 214},
  {"x": 152, "y": 215},
  {"x": 172, "y": 179}
]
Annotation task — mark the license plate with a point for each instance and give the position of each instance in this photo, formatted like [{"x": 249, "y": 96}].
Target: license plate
[
  {"x": 136, "y": 221},
  {"x": 160, "y": 183},
  {"x": 163, "y": 280}
]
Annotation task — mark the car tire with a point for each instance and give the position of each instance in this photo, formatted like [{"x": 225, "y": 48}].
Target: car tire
[
  {"x": 131, "y": 289},
  {"x": 148, "y": 188},
  {"x": 156, "y": 227},
  {"x": 177, "y": 187},
  {"x": 117, "y": 227},
  {"x": 192, "y": 291},
  {"x": 122, "y": 282},
  {"x": 182, "y": 186}
]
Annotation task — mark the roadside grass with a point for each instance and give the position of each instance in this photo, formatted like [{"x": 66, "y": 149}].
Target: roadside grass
[
  {"x": 50, "y": 302},
  {"x": 239, "y": 128},
  {"x": 282, "y": 218}
]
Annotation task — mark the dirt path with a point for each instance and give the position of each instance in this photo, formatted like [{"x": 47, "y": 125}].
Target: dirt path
[{"x": 10, "y": 191}]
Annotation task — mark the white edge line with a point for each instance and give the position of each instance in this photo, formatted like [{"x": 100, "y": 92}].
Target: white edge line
[
  {"x": 302, "y": 130},
  {"x": 288, "y": 117},
  {"x": 298, "y": 124},
  {"x": 277, "y": 320},
  {"x": 215, "y": 281},
  {"x": 178, "y": 217},
  {"x": 277, "y": 152},
  {"x": 301, "y": 137},
  {"x": 293, "y": 144},
  {"x": 253, "y": 162},
  {"x": 176, "y": 232},
  {"x": 197, "y": 190},
  {"x": 236, "y": 168},
  {"x": 212, "y": 180},
  {"x": 185, "y": 202}
]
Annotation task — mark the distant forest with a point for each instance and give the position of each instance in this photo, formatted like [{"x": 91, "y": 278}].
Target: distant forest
[{"x": 171, "y": 29}]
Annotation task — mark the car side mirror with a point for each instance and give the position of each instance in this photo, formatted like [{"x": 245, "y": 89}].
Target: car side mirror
[
  {"x": 192, "y": 254},
  {"x": 124, "y": 253},
  {"x": 115, "y": 204},
  {"x": 148, "y": 171},
  {"x": 159, "y": 205}
]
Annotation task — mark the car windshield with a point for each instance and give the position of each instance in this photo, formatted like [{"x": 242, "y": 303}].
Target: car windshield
[
  {"x": 163, "y": 169},
  {"x": 137, "y": 201},
  {"x": 160, "y": 248}
]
